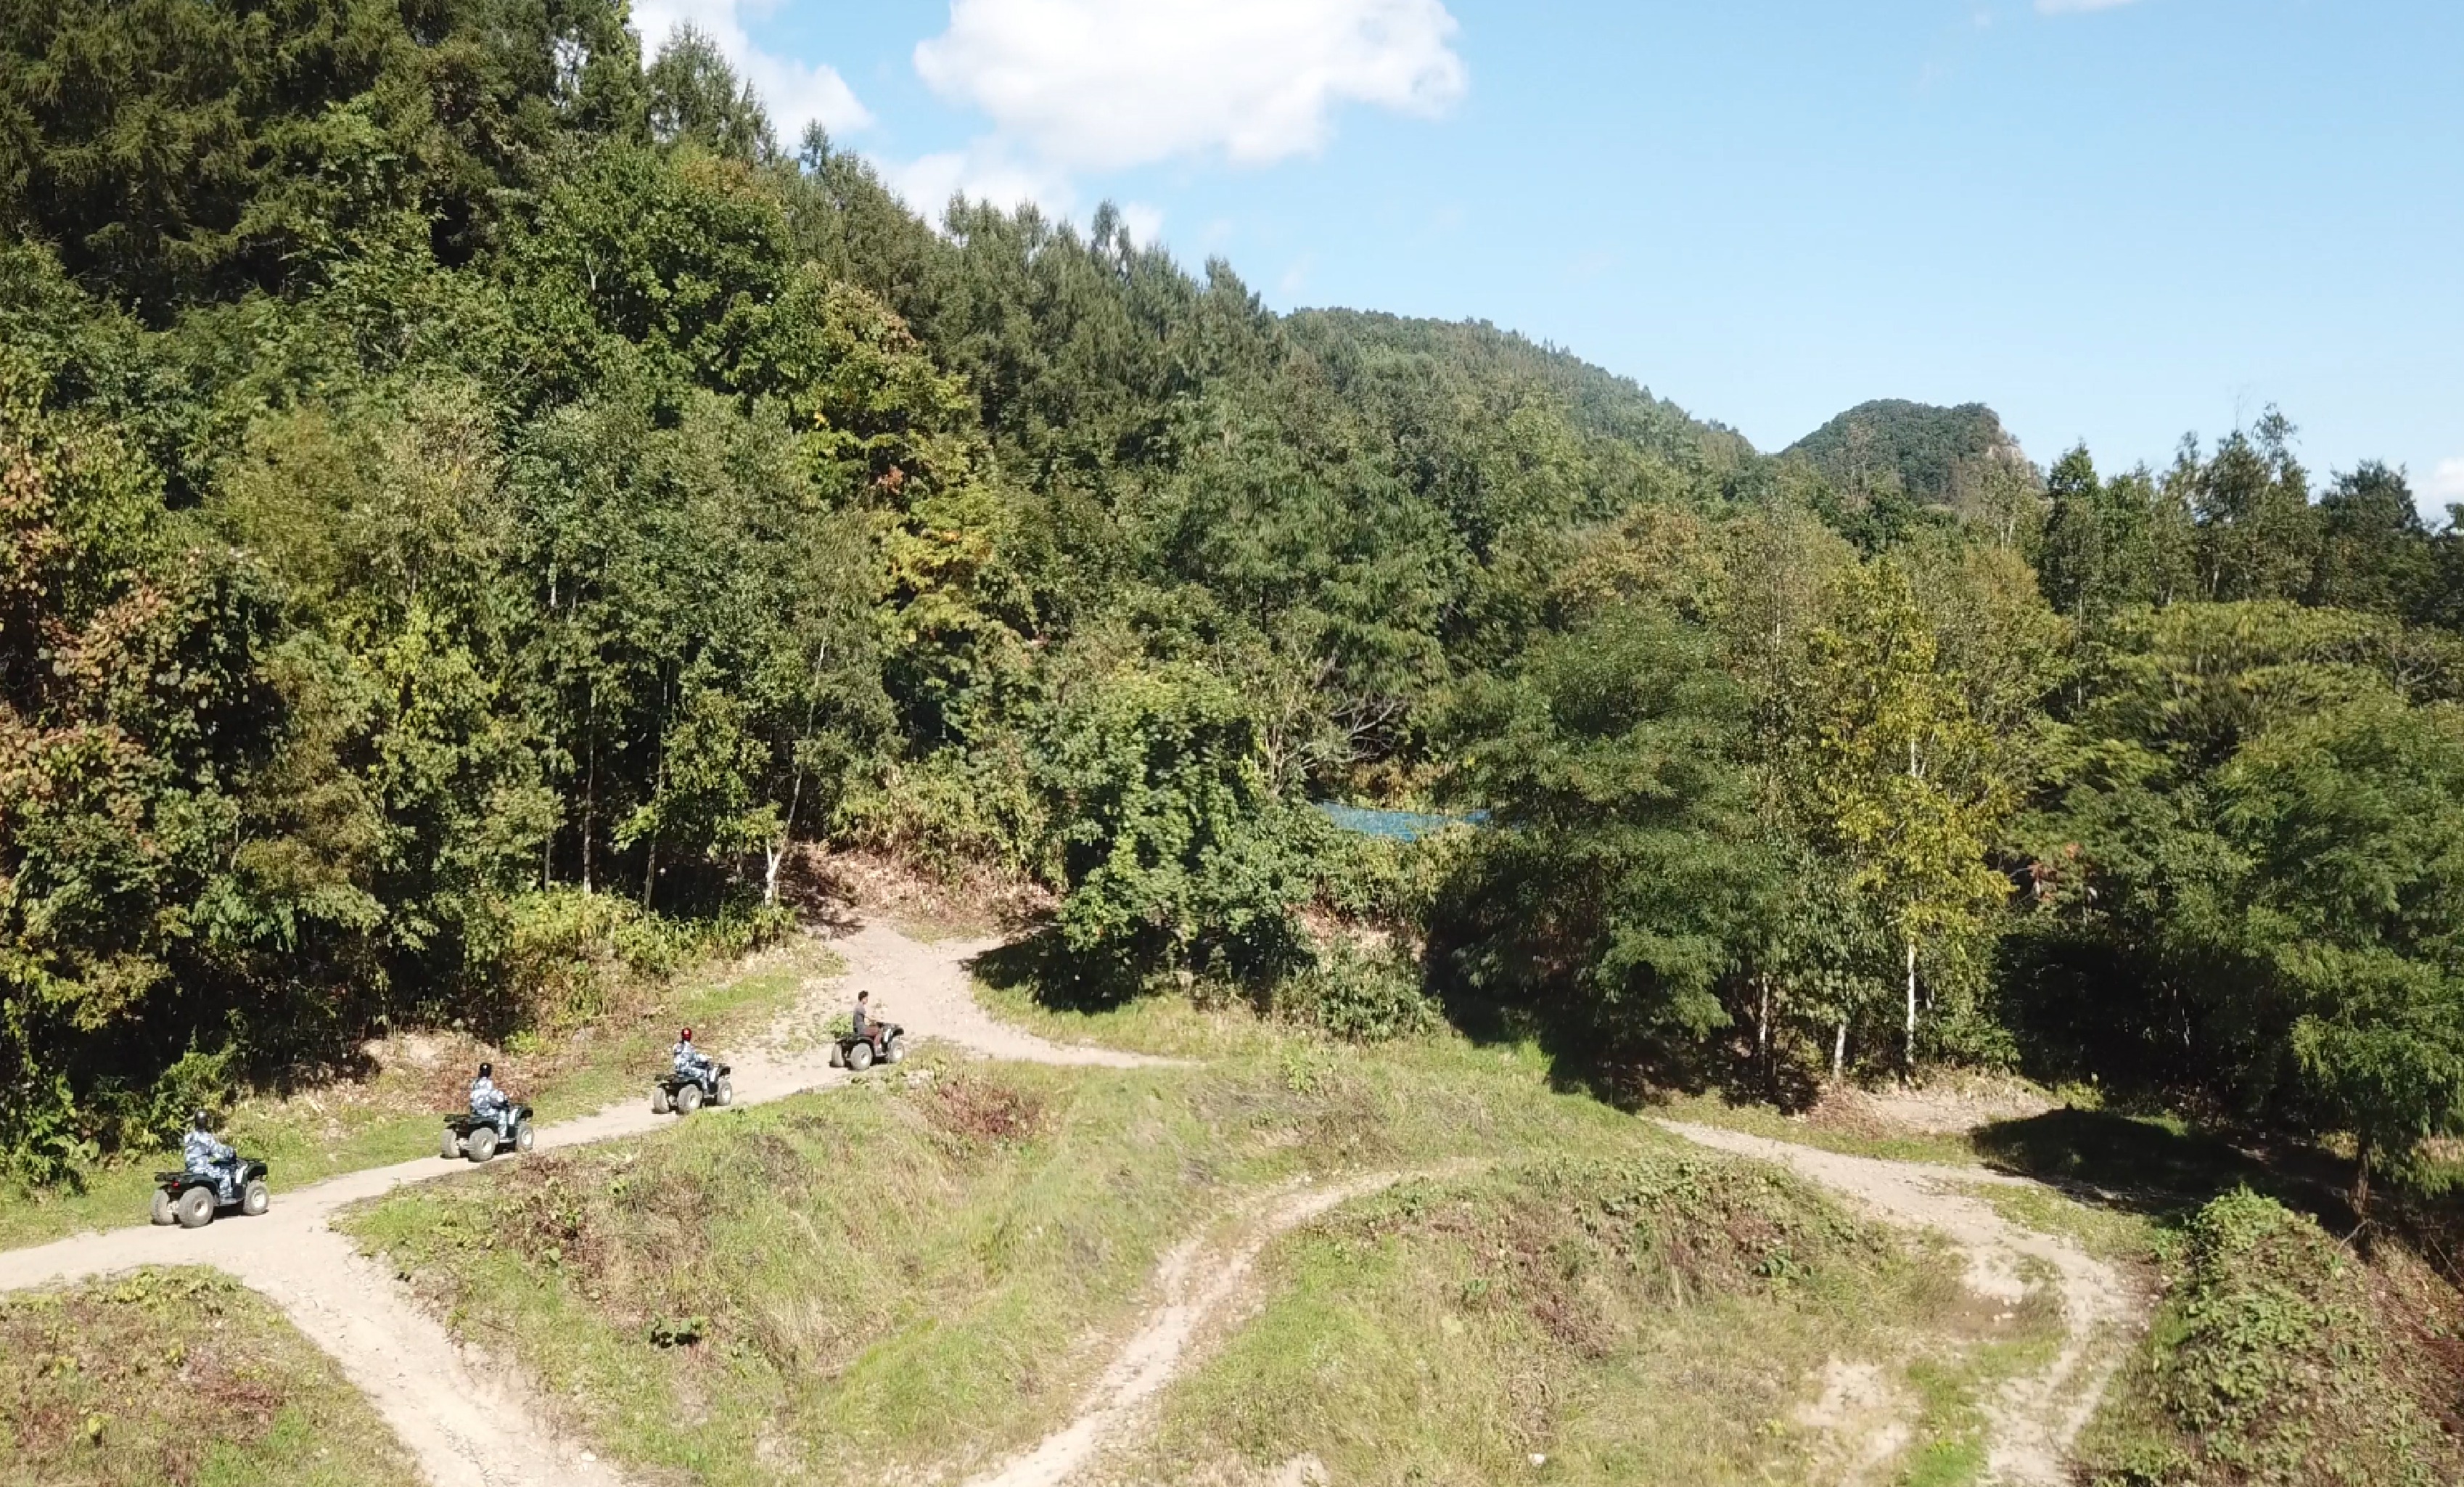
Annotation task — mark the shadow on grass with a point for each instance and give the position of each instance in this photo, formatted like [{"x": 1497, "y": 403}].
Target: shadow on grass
[{"x": 2158, "y": 1166}]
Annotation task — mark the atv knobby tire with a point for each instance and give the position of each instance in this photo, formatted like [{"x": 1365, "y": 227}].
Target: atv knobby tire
[
  {"x": 161, "y": 1211},
  {"x": 481, "y": 1142},
  {"x": 523, "y": 1137},
  {"x": 838, "y": 1057},
  {"x": 450, "y": 1146},
  {"x": 860, "y": 1056},
  {"x": 658, "y": 1100},
  {"x": 726, "y": 1095},
  {"x": 196, "y": 1208},
  {"x": 688, "y": 1100},
  {"x": 895, "y": 1052},
  {"x": 256, "y": 1198}
]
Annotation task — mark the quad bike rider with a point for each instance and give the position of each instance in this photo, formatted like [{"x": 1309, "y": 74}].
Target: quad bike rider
[
  {"x": 211, "y": 1177},
  {"x": 870, "y": 1040},
  {"x": 491, "y": 1105},
  {"x": 695, "y": 1079},
  {"x": 495, "y": 1120}
]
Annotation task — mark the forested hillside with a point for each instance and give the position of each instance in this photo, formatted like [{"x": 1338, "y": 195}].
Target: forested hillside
[
  {"x": 1927, "y": 454},
  {"x": 459, "y": 479}
]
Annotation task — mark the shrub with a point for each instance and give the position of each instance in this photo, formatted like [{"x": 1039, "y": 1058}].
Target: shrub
[
  {"x": 569, "y": 952},
  {"x": 1365, "y": 996},
  {"x": 2269, "y": 1364}
]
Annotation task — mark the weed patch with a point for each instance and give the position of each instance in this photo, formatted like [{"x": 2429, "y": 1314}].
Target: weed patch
[
  {"x": 2271, "y": 1361},
  {"x": 971, "y": 1112},
  {"x": 177, "y": 1376}
]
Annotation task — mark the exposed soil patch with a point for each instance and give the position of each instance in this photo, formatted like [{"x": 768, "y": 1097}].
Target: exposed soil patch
[
  {"x": 1949, "y": 1107},
  {"x": 1863, "y": 1419}
]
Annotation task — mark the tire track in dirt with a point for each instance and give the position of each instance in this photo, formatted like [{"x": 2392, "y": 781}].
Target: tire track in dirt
[
  {"x": 1196, "y": 1284},
  {"x": 463, "y": 1418},
  {"x": 2032, "y": 1423}
]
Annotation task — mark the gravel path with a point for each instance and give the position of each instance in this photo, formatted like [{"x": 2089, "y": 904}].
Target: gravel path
[{"x": 466, "y": 1421}]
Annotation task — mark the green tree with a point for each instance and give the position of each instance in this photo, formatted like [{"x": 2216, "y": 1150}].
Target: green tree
[
  {"x": 1624, "y": 884},
  {"x": 2374, "y": 553},
  {"x": 1174, "y": 853},
  {"x": 1898, "y": 777},
  {"x": 694, "y": 95},
  {"x": 2352, "y": 820}
]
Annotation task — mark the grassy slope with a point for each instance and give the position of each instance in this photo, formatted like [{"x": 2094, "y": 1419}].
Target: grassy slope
[
  {"x": 694, "y": 1295},
  {"x": 1653, "y": 1318},
  {"x": 2278, "y": 1356},
  {"x": 391, "y": 1117},
  {"x": 180, "y": 1376}
]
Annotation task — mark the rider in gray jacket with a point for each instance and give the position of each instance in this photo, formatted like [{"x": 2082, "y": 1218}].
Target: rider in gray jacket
[
  {"x": 690, "y": 1063},
  {"x": 207, "y": 1158},
  {"x": 490, "y": 1103}
]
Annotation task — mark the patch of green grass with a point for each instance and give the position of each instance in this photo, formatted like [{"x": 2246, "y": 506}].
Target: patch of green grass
[
  {"x": 2124, "y": 1235},
  {"x": 1166, "y": 1023},
  {"x": 178, "y": 1376},
  {"x": 324, "y": 1131},
  {"x": 1951, "y": 1384},
  {"x": 1657, "y": 1317},
  {"x": 907, "y": 1272},
  {"x": 2272, "y": 1362},
  {"x": 2159, "y": 1162}
]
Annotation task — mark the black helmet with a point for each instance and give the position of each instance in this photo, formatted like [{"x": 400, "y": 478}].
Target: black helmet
[
  {"x": 199, "y": 1123},
  {"x": 486, "y": 1071}
]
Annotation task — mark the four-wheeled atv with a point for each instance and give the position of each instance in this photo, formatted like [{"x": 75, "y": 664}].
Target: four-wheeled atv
[
  {"x": 477, "y": 1138},
  {"x": 684, "y": 1094},
  {"x": 192, "y": 1199},
  {"x": 887, "y": 1045}
]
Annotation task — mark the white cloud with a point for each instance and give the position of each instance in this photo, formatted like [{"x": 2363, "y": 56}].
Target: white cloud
[
  {"x": 987, "y": 171},
  {"x": 795, "y": 93},
  {"x": 1105, "y": 84},
  {"x": 1145, "y": 223},
  {"x": 2078, "y": 6},
  {"x": 2446, "y": 481},
  {"x": 983, "y": 172}
]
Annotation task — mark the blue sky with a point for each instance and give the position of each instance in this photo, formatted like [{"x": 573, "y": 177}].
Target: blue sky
[{"x": 2113, "y": 221}]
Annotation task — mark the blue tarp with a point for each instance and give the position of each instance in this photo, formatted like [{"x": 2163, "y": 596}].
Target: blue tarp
[{"x": 1408, "y": 826}]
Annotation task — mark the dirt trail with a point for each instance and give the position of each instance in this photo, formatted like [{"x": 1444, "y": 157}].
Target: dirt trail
[
  {"x": 462, "y": 1423},
  {"x": 2032, "y": 1424},
  {"x": 1196, "y": 1280}
]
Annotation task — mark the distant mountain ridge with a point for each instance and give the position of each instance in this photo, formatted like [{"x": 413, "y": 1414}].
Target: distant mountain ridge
[{"x": 1921, "y": 450}]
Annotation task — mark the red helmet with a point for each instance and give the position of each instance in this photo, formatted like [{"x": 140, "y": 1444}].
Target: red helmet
[{"x": 685, "y": 1034}]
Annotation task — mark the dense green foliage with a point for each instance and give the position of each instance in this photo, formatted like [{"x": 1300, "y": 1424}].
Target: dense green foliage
[
  {"x": 2270, "y": 1362},
  {"x": 445, "y": 462}
]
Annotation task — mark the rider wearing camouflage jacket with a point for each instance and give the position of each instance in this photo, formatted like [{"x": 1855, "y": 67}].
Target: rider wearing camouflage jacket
[
  {"x": 207, "y": 1158},
  {"x": 690, "y": 1063},
  {"x": 490, "y": 1103}
]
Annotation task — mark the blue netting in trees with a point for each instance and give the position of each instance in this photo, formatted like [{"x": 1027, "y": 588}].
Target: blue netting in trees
[{"x": 1399, "y": 825}]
